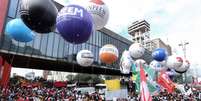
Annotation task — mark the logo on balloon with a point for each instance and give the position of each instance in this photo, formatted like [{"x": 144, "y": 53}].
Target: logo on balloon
[
  {"x": 179, "y": 59},
  {"x": 85, "y": 58},
  {"x": 74, "y": 11},
  {"x": 74, "y": 24},
  {"x": 99, "y": 10}
]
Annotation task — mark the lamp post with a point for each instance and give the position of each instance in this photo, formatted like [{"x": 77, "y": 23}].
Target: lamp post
[{"x": 183, "y": 46}]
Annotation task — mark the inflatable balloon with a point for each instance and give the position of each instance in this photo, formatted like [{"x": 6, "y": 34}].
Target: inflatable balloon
[
  {"x": 125, "y": 62},
  {"x": 136, "y": 50},
  {"x": 174, "y": 62},
  {"x": 184, "y": 67},
  {"x": 39, "y": 15},
  {"x": 159, "y": 54},
  {"x": 157, "y": 66},
  {"x": 85, "y": 58},
  {"x": 139, "y": 62},
  {"x": 17, "y": 30},
  {"x": 100, "y": 13},
  {"x": 74, "y": 24},
  {"x": 108, "y": 54}
]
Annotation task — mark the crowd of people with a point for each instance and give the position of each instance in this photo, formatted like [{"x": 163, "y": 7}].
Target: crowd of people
[
  {"x": 16, "y": 92},
  {"x": 177, "y": 96},
  {"x": 46, "y": 94},
  {"x": 64, "y": 94}
]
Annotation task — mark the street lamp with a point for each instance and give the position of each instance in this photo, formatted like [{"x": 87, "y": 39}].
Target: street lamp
[{"x": 183, "y": 46}]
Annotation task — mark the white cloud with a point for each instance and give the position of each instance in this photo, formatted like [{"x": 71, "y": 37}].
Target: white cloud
[{"x": 175, "y": 20}]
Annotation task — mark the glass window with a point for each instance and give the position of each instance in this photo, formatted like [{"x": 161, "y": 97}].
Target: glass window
[
  {"x": 56, "y": 45},
  {"x": 66, "y": 49},
  {"x": 21, "y": 47},
  {"x": 18, "y": 10},
  {"x": 43, "y": 46},
  {"x": 61, "y": 47},
  {"x": 36, "y": 46},
  {"x": 12, "y": 8},
  {"x": 50, "y": 44},
  {"x": 28, "y": 47},
  {"x": 70, "y": 49}
]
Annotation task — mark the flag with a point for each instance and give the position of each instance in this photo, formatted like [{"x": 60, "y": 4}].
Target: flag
[
  {"x": 165, "y": 82},
  {"x": 5, "y": 74},
  {"x": 150, "y": 75},
  {"x": 113, "y": 85},
  {"x": 144, "y": 91}
]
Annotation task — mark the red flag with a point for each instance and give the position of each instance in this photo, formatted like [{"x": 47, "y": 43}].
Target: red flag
[
  {"x": 5, "y": 74},
  {"x": 144, "y": 91},
  {"x": 165, "y": 82}
]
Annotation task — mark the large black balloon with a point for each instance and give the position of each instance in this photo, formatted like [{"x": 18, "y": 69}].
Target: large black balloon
[{"x": 39, "y": 15}]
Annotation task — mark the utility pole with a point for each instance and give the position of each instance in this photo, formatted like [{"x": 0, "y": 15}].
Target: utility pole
[{"x": 183, "y": 46}]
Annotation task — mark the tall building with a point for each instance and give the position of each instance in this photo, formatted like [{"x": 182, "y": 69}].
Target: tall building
[
  {"x": 140, "y": 31},
  {"x": 158, "y": 43}
]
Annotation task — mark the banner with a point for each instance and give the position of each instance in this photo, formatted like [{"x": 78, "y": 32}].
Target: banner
[
  {"x": 150, "y": 75},
  {"x": 165, "y": 82},
  {"x": 112, "y": 84},
  {"x": 5, "y": 74},
  {"x": 144, "y": 91}
]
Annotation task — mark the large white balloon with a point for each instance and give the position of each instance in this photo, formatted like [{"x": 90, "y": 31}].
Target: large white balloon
[
  {"x": 184, "y": 67},
  {"x": 108, "y": 54},
  {"x": 99, "y": 12},
  {"x": 157, "y": 66},
  {"x": 85, "y": 58},
  {"x": 125, "y": 62},
  {"x": 136, "y": 50},
  {"x": 174, "y": 62}
]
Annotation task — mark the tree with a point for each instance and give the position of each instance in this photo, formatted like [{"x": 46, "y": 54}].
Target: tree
[
  {"x": 70, "y": 77},
  {"x": 88, "y": 78}
]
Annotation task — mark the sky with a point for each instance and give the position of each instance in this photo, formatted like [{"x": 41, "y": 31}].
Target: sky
[{"x": 173, "y": 21}]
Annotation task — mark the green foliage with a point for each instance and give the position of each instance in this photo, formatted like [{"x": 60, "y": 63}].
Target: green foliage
[{"x": 85, "y": 78}]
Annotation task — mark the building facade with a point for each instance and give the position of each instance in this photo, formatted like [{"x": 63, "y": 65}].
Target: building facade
[
  {"x": 51, "y": 52},
  {"x": 140, "y": 32}
]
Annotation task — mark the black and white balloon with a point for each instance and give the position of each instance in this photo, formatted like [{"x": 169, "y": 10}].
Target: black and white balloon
[
  {"x": 39, "y": 15},
  {"x": 174, "y": 62},
  {"x": 85, "y": 58},
  {"x": 125, "y": 62},
  {"x": 184, "y": 67}
]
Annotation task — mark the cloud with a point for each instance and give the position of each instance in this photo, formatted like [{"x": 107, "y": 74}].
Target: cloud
[{"x": 171, "y": 20}]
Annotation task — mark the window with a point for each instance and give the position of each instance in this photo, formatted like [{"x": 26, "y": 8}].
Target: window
[
  {"x": 13, "y": 8},
  {"x": 50, "y": 44},
  {"x": 43, "y": 44}
]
